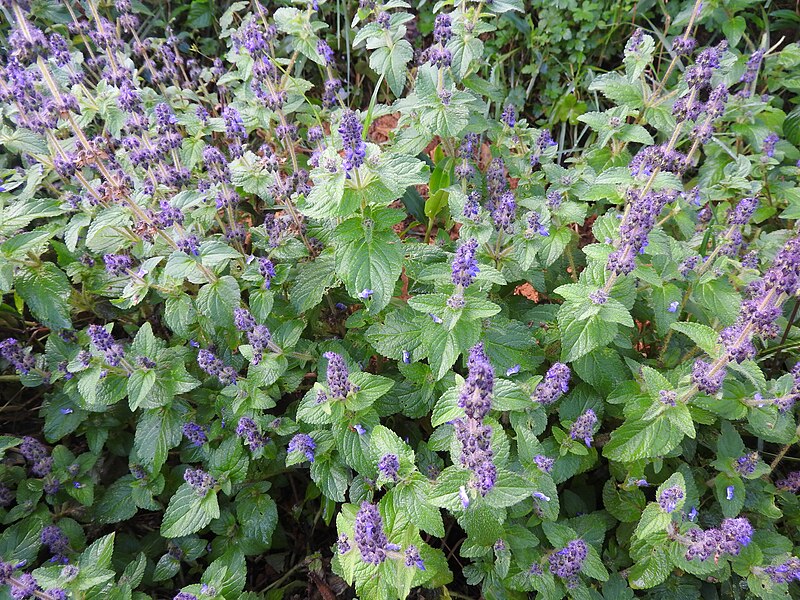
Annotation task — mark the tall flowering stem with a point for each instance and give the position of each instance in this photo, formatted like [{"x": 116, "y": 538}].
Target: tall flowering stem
[{"x": 475, "y": 437}]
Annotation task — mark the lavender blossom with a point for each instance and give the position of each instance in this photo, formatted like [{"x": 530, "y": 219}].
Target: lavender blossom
[
  {"x": 768, "y": 148},
  {"x": 707, "y": 381},
  {"x": 785, "y": 572},
  {"x": 544, "y": 463},
  {"x": 337, "y": 377},
  {"x": 746, "y": 465},
  {"x": 56, "y": 541},
  {"x": 199, "y": 480},
  {"x": 248, "y": 430},
  {"x": 37, "y": 456},
  {"x": 13, "y": 353},
  {"x": 791, "y": 483},
  {"x": 350, "y": 129},
  {"x": 509, "y": 116},
  {"x": 465, "y": 265},
  {"x": 413, "y": 559},
  {"x": 475, "y": 396},
  {"x": 216, "y": 368},
  {"x": 195, "y": 434},
  {"x": 504, "y": 212},
  {"x": 304, "y": 444},
  {"x": 554, "y": 384},
  {"x": 370, "y": 537},
  {"x": 669, "y": 498},
  {"x": 389, "y": 465},
  {"x": 583, "y": 427},
  {"x": 567, "y": 562}
]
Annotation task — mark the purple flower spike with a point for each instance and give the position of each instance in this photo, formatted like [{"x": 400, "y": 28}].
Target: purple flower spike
[
  {"x": 567, "y": 562},
  {"x": 669, "y": 498},
  {"x": 465, "y": 265},
  {"x": 413, "y": 559},
  {"x": 583, "y": 427},
  {"x": 370, "y": 537},
  {"x": 304, "y": 444},
  {"x": 337, "y": 373},
  {"x": 554, "y": 384},
  {"x": 355, "y": 150}
]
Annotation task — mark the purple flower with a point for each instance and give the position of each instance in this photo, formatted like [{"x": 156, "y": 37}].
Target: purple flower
[
  {"x": 343, "y": 544},
  {"x": 706, "y": 381},
  {"x": 554, "y": 384},
  {"x": 729, "y": 491},
  {"x": 13, "y": 353},
  {"x": 56, "y": 541},
  {"x": 567, "y": 562},
  {"x": 350, "y": 129},
  {"x": 389, "y": 465},
  {"x": 190, "y": 245},
  {"x": 366, "y": 294},
  {"x": 303, "y": 444},
  {"x": 248, "y": 430},
  {"x": 198, "y": 479},
  {"x": 513, "y": 370},
  {"x": 195, "y": 433},
  {"x": 768, "y": 147},
  {"x": 474, "y": 436},
  {"x": 6, "y": 496},
  {"x": 544, "y": 463},
  {"x": 337, "y": 376},
  {"x": 509, "y": 116},
  {"x": 753, "y": 64},
  {"x": 24, "y": 587},
  {"x": 599, "y": 296},
  {"x": 729, "y": 538},
  {"x": 413, "y": 559},
  {"x": 475, "y": 396},
  {"x": 370, "y": 537},
  {"x": 184, "y": 596},
  {"x": 462, "y": 494},
  {"x": 216, "y": 368},
  {"x": 504, "y": 212},
  {"x": 243, "y": 320},
  {"x": 267, "y": 270},
  {"x": 442, "y": 29},
  {"x": 535, "y": 226},
  {"x": 669, "y": 498},
  {"x": 635, "y": 228},
  {"x": 790, "y": 484},
  {"x": 325, "y": 51},
  {"x": 673, "y": 306},
  {"x": 785, "y": 572},
  {"x": 668, "y": 397},
  {"x": 746, "y": 465},
  {"x": 683, "y": 45},
  {"x": 583, "y": 427},
  {"x": 116, "y": 264},
  {"x": 465, "y": 265},
  {"x": 743, "y": 211},
  {"x": 35, "y": 453}
]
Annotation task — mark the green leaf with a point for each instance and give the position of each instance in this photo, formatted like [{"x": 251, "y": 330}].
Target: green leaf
[
  {"x": 115, "y": 505},
  {"x": 188, "y": 512},
  {"x": 311, "y": 282},
  {"x": 368, "y": 259},
  {"x": 46, "y": 290},
  {"x": 580, "y": 337},
  {"x": 391, "y": 63},
  {"x": 702, "y": 335},
  {"x": 400, "y": 332},
  {"x": 650, "y": 570},
  {"x": 443, "y": 347},
  {"x": 637, "y": 440},
  {"x": 218, "y": 300}
]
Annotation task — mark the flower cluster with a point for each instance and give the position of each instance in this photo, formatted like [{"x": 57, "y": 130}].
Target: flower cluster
[
  {"x": 199, "y": 480},
  {"x": 729, "y": 538},
  {"x": 370, "y": 537},
  {"x": 475, "y": 437},
  {"x": 303, "y": 444},
  {"x": 567, "y": 562},
  {"x": 669, "y": 498},
  {"x": 37, "y": 456},
  {"x": 339, "y": 386},
  {"x": 214, "y": 366},
  {"x": 248, "y": 430},
  {"x": 14, "y": 354},
  {"x": 583, "y": 427},
  {"x": 554, "y": 384}
]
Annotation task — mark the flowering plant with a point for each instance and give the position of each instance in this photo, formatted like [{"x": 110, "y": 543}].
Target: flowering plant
[{"x": 419, "y": 344}]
